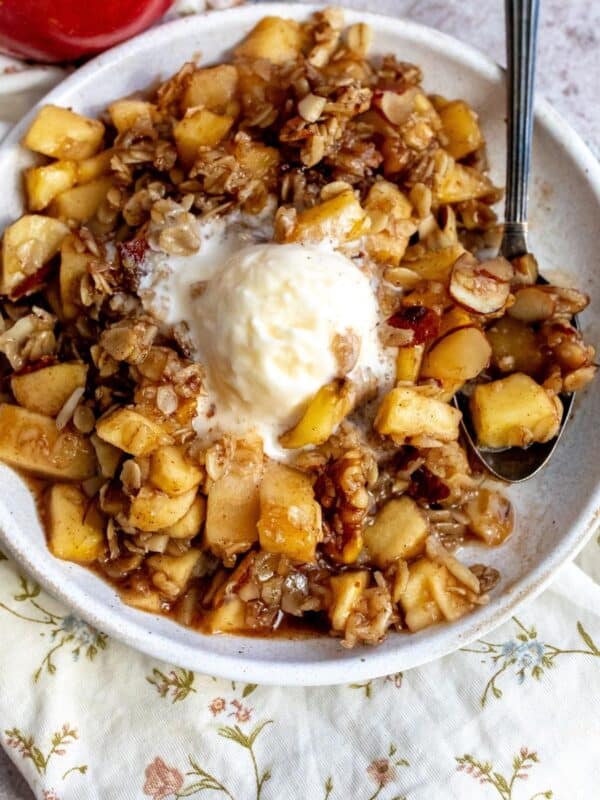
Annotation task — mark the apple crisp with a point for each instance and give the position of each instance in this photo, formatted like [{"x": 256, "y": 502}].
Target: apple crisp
[{"x": 349, "y": 520}]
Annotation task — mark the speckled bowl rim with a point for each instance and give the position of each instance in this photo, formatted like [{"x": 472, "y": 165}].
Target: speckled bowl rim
[{"x": 438, "y": 641}]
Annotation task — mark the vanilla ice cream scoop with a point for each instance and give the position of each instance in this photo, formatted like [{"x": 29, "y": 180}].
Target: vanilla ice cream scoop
[{"x": 265, "y": 329}]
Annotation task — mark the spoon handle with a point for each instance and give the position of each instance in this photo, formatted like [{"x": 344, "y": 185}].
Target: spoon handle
[{"x": 521, "y": 36}]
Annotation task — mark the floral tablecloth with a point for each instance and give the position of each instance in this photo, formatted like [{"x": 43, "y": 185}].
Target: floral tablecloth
[{"x": 515, "y": 716}]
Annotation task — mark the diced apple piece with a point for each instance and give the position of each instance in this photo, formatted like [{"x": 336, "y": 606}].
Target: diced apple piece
[
  {"x": 290, "y": 517},
  {"x": 191, "y": 523},
  {"x": 229, "y": 617},
  {"x": 61, "y": 133},
  {"x": 172, "y": 472},
  {"x": 75, "y": 526},
  {"x": 256, "y": 159},
  {"x": 44, "y": 183},
  {"x": 458, "y": 357},
  {"x": 408, "y": 363},
  {"x": 273, "y": 38},
  {"x": 132, "y": 432},
  {"x": 532, "y": 304},
  {"x": 462, "y": 183},
  {"x": 417, "y": 601},
  {"x": 491, "y": 516},
  {"x": 398, "y": 531},
  {"x": 406, "y": 412},
  {"x": 177, "y": 569},
  {"x": 233, "y": 506},
  {"x": 451, "y": 603},
  {"x": 514, "y": 412},
  {"x": 73, "y": 266},
  {"x": 456, "y": 317},
  {"x": 515, "y": 347},
  {"x": 80, "y": 203},
  {"x": 212, "y": 88},
  {"x": 148, "y": 600},
  {"x": 460, "y": 125},
  {"x": 95, "y": 166},
  {"x": 125, "y": 113},
  {"x": 27, "y": 245},
  {"x": 199, "y": 129},
  {"x": 324, "y": 413},
  {"x": 435, "y": 265},
  {"x": 340, "y": 218},
  {"x": 46, "y": 390},
  {"x": 32, "y": 442},
  {"x": 152, "y": 510},
  {"x": 386, "y": 202},
  {"x": 347, "y": 590}
]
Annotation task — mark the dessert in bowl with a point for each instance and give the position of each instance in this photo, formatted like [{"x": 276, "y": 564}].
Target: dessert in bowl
[{"x": 237, "y": 310}]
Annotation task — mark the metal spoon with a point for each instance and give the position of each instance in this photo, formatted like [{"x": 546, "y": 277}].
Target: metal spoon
[{"x": 516, "y": 464}]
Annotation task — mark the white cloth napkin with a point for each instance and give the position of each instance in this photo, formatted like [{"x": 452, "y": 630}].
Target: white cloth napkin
[{"x": 515, "y": 717}]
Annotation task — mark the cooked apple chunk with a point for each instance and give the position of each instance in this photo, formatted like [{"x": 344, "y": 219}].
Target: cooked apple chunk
[
  {"x": 124, "y": 114},
  {"x": 73, "y": 266},
  {"x": 198, "y": 129},
  {"x": 132, "y": 432},
  {"x": 408, "y": 363},
  {"x": 461, "y": 127},
  {"x": 27, "y": 245},
  {"x": 462, "y": 183},
  {"x": 191, "y": 523},
  {"x": 491, "y": 516},
  {"x": 398, "y": 531},
  {"x": 515, "y": 347},
  {"x": 458, "y": 356},
  {"x": 340, "y": 217},
  {"x": 32, "y": 442},
  {"x": 61, "y": 133},
  {"x": 324, "y": 413},
  {"x": 80, "y": 203},
  {"x": 228, "y": 617},
  {"x": 75, "y": 526},
  {"x": 233, "y": 505},
  {"x": 514, "y": 412},
  {"x": 346, "y": 590},
  {"x": 152, "y": 510},
  {"x": 172, "y": 574},
  {"x": 430, "y": 595},
  {"x": 44, "y": 183},
  {"x": 95, "y": 166},
  {"x": 46, "y": 390},
  {"x": 290, "y": 517},
  {"x": 211, "y": 87},
  {"x": 172, "y": 472},
  {"x": 406, "y": 412},
  {"x": 273, "y": 38}
]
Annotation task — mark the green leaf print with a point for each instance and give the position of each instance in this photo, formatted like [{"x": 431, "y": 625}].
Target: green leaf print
[
  {"x": 64, "y": 631},
  {"x": 30, "y": 751},
  {"x": 177, "y": 684},
  {"x": 524, "y": 655},
  {"x": 505, "y": 787}
]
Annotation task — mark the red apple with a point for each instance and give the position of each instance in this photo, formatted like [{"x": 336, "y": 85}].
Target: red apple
[{"x": 62, "y": 30}]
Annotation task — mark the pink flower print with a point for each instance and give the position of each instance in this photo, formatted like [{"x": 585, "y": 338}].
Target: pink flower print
[
  {"x": 50, "y": 794},
  {"x": 161, "y": 780},
  {"x": 241, "y": 713},
  {"x": 381, "y": 771},
  {"x": 217, "y": 706}
]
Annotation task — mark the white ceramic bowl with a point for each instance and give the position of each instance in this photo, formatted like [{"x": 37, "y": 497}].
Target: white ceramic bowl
[{"x": 555, "y": 512}]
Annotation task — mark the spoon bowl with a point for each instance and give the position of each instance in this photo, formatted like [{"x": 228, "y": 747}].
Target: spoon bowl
[{"x": 517, "y": 464}]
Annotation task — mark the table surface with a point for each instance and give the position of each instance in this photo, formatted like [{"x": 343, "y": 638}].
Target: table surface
[{"x": 567, "y": 76}]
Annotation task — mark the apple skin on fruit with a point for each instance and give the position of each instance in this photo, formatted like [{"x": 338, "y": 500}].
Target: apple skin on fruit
[{"x": 62, "y": 30}]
